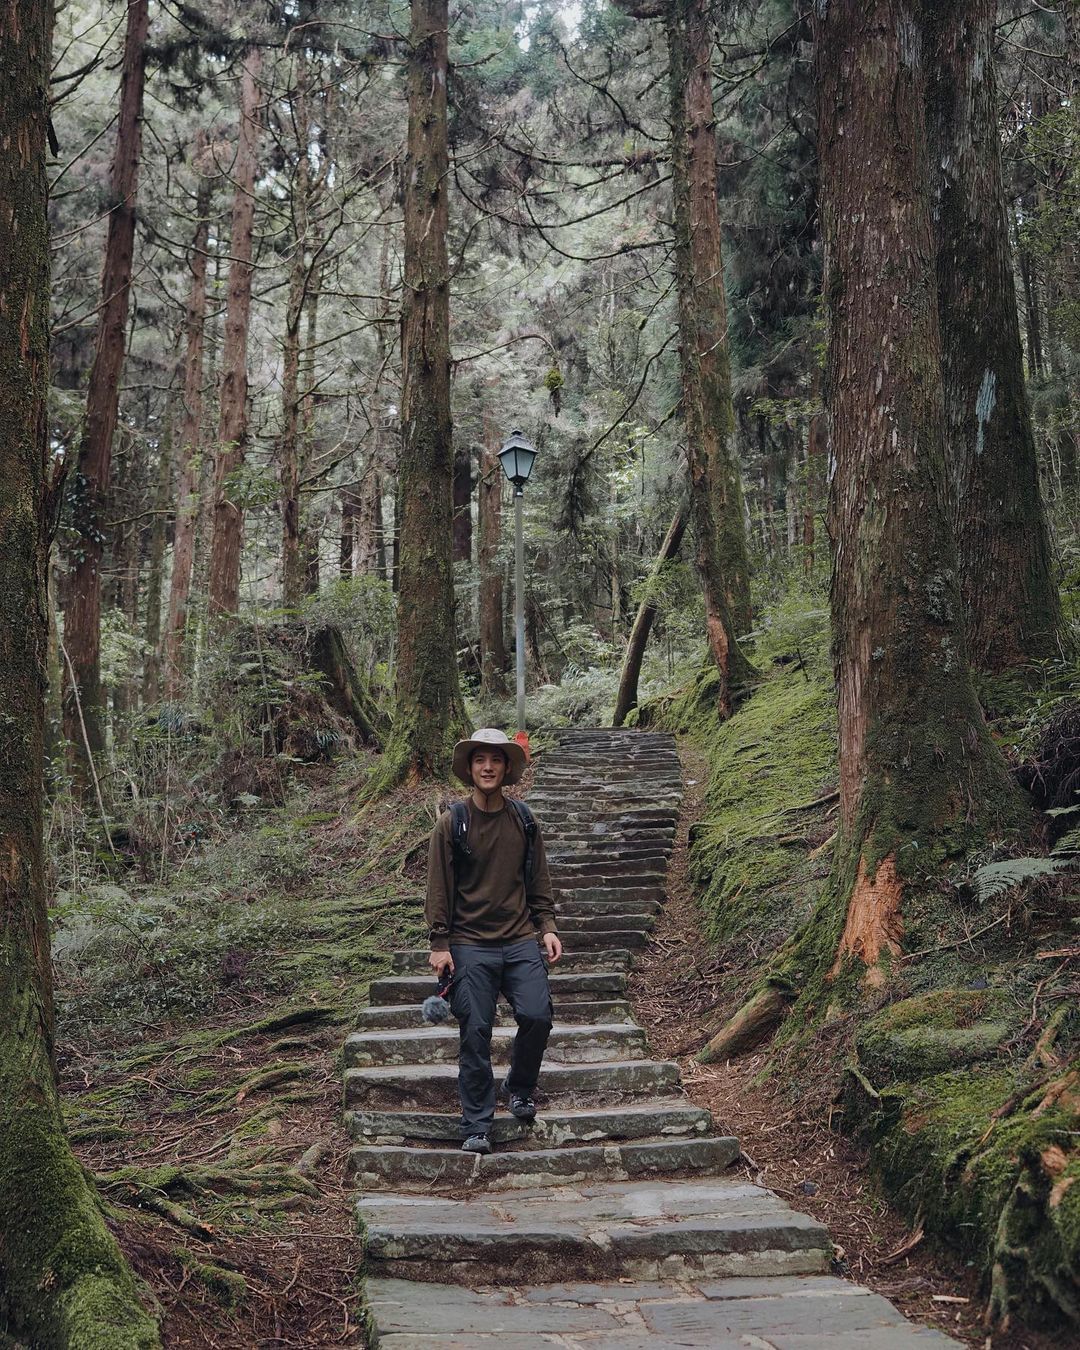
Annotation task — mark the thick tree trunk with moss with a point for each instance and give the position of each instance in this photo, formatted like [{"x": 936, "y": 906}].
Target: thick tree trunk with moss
[
  {"x": 187, "y": 493},
  {"x": 1010, "y": 596},
  {"x": 63, "y": 1281},
  {"x": 224, "y": 576},
  {"x": 646, "y": 616},
  {"x": 429, "y": 711},
  {"x": 716, "y": 497},
  {"x": 83, "y": 701},
  {"x": 920, "y": 778},
  {"x": 919, "y": 774}
]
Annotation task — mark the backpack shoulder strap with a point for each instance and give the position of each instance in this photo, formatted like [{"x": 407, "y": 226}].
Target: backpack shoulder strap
[
  {"x": 459, "y": 828},
  {"x": 528, "y": 826},
  {"x": 528, "y": 820}
]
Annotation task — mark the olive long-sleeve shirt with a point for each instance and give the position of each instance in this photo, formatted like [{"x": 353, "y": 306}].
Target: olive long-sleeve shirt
[{"x": 491, "y": 903}]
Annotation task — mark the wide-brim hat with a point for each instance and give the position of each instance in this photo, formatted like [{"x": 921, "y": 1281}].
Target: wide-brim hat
[{"x": 489, "y": 738}]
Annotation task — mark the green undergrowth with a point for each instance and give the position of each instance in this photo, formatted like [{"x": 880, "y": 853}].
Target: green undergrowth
[
  {"x": 201, "y": 1012},
  {"x": 961, "y": 1071}
]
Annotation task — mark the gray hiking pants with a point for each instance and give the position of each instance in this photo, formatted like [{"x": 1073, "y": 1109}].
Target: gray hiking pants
[{"x": 516, "y": 970}]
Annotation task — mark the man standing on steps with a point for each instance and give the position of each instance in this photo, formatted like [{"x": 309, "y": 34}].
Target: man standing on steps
[{"x": 489, "y": 909}]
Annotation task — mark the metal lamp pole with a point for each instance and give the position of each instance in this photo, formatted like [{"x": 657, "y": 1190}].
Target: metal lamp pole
[
  {"x": 516, "y": 457},
  {"x": 519, "y": 601}
]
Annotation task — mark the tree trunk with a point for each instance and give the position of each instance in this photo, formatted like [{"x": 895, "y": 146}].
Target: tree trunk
[
  {"x": 429, "y": 708},
  {"x": 815, "y": 458},
  {"x": 292, "y": 560},
  {"x": 463, "y": 485},
  {"x": 187, "y": 492},
  {"x": 368, "y": 518},
  {"x": 1010, "y": 598},
  {"x": 348, "y": 503},
  {"x": 224, "y": 579},
  {"x": 82, "y": 615},
  {"x": 310, "y": 525},
  {"x": 1031, "y": 311},
  {"x": 646, "y": 615},
  {"x": 63, "y": 1281},
  {"x": 715, "y": 488},
  {"x": 917, "y": 765},
  {"x": 129, "y": 491},
  {"x": 151, "y": 691},
  {"x": 491, "y": 605}
]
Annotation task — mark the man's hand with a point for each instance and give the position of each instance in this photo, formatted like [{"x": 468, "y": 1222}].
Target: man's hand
[
  {"x": 552, "y": 946},
  {"x": 438, "y": 961}
]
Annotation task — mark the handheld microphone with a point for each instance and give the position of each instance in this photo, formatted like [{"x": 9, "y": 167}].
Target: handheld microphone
[{"x": 436, "y": 1007}]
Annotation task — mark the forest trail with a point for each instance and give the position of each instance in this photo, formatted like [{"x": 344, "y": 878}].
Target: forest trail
[{"x": 610, "y": 1223}]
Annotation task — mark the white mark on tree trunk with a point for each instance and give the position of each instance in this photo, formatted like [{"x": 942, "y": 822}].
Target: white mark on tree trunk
[
  {"x": 909, "y": 35},
  {"x": 984, "y": 407}
]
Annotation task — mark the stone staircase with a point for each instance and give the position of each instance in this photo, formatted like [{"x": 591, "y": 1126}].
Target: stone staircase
[{"x": 609, "y": 1222}]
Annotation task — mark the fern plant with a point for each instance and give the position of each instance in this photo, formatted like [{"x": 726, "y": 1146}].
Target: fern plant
[{"x": 998, "y": 878}]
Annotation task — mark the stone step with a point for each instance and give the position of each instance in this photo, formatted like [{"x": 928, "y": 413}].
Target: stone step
[
  {"x": 413, "y": 989},
  {"x": 586, "y": 797},
  {"x": 617, "y": 895},
  {"x": 412, "y": 1086},
  {"x": 608, "y": 853},
  {"x": 597, "y": 873},
  {"x": 644, "y": 1231},
  {"x": 649, "y": 787},
  {"x": 439, "y": 1045},
  {"x": 582, "y": 921},
  {"x": 579, "y": 940},
  {"x": 379, "y": 1165},
  {"x": 669, "y": 1117},
  {"x": 581, "y": 817},
  {"x": 389, "y": 1016},
  {"x": 640, "y": 909},
  {"x": 415, "y": 962},
  {"x": 808, "y": 1312},
  {"x": 603, "y": 833}
]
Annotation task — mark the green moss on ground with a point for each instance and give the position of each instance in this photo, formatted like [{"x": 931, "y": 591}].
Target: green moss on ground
[
  {"x": 986, "y": 1164},
  {"x": 758, "y": 855},
  {"x": 971, "y": 1120},
  {"x": 936, "y": 1031}
]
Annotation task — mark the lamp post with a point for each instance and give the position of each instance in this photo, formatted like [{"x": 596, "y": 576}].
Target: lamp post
[{"x": 517, "y": 457}]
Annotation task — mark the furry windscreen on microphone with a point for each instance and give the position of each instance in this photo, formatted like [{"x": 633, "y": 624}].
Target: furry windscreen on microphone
[{"x": 435, "y": 1009}]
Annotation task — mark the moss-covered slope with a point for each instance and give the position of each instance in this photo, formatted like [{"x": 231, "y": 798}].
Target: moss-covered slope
[{"x": 962, "y": 1074}]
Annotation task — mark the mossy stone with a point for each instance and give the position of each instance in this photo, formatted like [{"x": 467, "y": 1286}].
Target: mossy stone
[{"x": 933, "y": 1032}]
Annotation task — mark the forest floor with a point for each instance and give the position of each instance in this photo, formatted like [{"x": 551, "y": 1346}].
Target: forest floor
[
  {"x": 786, "y": 1129},
  {"x": 212, "y": 1121},
  {"x": 201, "y": 1073}
]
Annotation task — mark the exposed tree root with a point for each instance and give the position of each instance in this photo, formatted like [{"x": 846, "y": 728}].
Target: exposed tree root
[
  {"x": 262, "y": 1188},
  {"x": 754, "y": 1021}
]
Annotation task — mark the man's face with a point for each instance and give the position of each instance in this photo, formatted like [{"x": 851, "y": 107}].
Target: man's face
[{"x": 488, "y": 769}]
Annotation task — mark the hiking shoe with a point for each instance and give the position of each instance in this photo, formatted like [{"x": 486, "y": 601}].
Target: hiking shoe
[
  {"x": 522, "y": 1105},
  {"x": 476, "y": 1143}
]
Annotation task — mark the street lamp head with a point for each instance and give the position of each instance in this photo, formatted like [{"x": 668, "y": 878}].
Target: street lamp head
[{"x": 517, "y": 457}]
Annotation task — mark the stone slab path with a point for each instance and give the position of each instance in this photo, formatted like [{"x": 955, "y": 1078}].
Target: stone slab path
[{"x": 611, "y": 1222}]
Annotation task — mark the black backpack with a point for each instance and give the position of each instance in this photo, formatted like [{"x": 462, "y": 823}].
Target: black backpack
[{"x": 459, "y": 834}]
